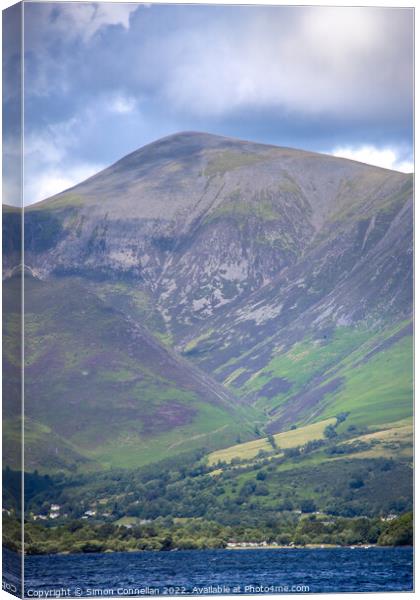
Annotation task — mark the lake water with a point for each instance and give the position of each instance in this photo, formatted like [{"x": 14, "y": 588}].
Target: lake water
[{"x": 218, "y": 572}]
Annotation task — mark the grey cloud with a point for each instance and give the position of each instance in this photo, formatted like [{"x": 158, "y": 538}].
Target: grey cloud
[{"x": 200, "y": 60}]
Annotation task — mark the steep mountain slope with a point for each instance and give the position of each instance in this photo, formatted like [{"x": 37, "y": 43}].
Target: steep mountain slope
[
  {"x": 285, "y": 275},
  {"x": 99, "y": 387}
]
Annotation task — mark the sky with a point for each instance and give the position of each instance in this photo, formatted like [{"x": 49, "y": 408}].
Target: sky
[{"x": 102, "y": 80}]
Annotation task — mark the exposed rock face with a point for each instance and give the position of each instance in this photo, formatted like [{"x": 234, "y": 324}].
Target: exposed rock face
[{"x": 238, "y": 251}]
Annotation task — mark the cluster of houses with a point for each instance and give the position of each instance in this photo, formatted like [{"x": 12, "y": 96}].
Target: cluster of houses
[
  {"x": 54, "y": 513},
  {"x": 390, "y": 517},
  {"x": 249, "y": 544}
]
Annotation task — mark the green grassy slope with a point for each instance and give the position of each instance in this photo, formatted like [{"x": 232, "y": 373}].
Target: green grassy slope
[
  {"x": 379, "y": 390},
  {"x": 367, "y": 373},
  {"x": 101, "y": 390}
]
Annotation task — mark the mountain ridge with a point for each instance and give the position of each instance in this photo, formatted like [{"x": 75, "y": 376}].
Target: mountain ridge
[{"x": 212, "y": 140}]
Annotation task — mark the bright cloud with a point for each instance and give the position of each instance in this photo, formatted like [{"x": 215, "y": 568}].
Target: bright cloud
[
  {"x": 55, "y": 180},
  {"x": 316, "y": 60},
  {"x": 387, "y": 158},
  {"x": 50, "y": 166},
  {"x": 122, "y": 104}
]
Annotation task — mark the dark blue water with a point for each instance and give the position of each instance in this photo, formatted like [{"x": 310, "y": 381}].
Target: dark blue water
[{"x": 222, "y": 572}]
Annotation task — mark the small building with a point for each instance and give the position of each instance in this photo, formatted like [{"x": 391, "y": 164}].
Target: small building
[{"x": 389, "y": 517}]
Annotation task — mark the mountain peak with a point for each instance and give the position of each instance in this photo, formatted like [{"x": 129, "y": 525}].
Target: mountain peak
[
  {"x": 186, "y": 136},
  {"x": 186, "y": 143}
]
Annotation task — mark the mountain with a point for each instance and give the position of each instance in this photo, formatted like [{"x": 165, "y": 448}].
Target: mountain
[{"x": 274, "y": 284}]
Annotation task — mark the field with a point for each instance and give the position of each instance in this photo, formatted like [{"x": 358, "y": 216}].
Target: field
[
  {"x": 392, "y": 440},
  {"x": 287, "y": 439},
  {"x": 395, "y": 441}
]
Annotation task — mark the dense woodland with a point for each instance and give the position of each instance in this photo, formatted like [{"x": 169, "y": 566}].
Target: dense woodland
[{"x": 198, "y": 534}]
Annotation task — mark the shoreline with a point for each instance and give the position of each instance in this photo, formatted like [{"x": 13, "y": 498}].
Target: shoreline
[
  {"x": 306, "y": 547},
  {"x": 268, "y": 547}
]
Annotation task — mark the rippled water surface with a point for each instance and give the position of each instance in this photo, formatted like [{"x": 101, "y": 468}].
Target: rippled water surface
[{"x": 219, "y": 572}]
